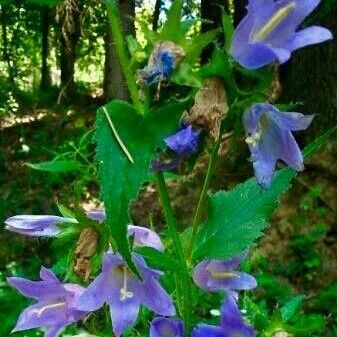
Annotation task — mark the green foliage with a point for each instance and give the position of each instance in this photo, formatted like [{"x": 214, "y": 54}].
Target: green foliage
[
  {"x": 57, "y": 166},
  {"x": 236, "y": 218},
  {"x": 291, "y": 308},
  {"x": 124, "y": 164}
]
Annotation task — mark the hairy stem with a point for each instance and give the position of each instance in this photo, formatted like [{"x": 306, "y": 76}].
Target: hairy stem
[
  {"x": 184, "y": 279},
  {"x": 202, "y": 200}
]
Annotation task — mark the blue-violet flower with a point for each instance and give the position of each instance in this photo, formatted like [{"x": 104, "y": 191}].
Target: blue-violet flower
[
  {"x": 55, "y": 308},
  {"x": 166, "y": 327},
  {"x": 269, "y": 32},
  {"x": 124, "y": 292},
  {"x": 269, "y": 138}
]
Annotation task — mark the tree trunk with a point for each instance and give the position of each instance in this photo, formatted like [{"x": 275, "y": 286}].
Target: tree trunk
[
  {"x": 114, "y": 81},
  {"x": 71, "y": 11},
  {"x": 310, "y": 78},
  {"x": 211, "y": 14},
  {"x": 5, "y": 44},
  {"x": 45, "y": 71},
  {"x": 156, "y": 14},
  {"x": 239, "y": 10}
]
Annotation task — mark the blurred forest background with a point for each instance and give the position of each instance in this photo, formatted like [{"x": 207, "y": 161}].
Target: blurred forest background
[{"x": 58, "y": 64}]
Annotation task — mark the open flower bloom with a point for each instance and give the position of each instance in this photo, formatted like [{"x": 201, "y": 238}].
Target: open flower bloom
[
  {"x": 216, "y": 275},
  {"x": 36, "y": 225},
  {"x": 269, "y": 138},
  {"x": 232, "y": 323},
  {"x": 124, "y": 292},
  {"x": 163, "y": 60},
  {"x": 55, "y": 307},
  {"x": 184, "y": 143},
  {"x": 142, "y": 236},
  {"x": 166, "y": 327},
  {"x": 269, "y": 33}
]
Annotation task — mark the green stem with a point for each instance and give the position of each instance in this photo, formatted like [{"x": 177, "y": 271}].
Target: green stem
[
  {"x": 202, "y": 200},
  {"x": 173, "y": 228},
  {"x": 116, "y": 29}
]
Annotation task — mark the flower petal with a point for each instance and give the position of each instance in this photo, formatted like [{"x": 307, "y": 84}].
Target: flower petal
[
  {"x": 47, "y": 275},
  {"x": 97, "y": 215},
  {"x": 204, "y": 330},
  {"x": 37, "y": 289},
  {"x": 53, "y": 331},
  {"x": 295, "y": 121},
  {"x": 309, "y": 36},
  {"x": 145, "y": 237},
  {"x": 39, "y": 315},
  {"x": 156, "y": 298},
  {"x": 163, "y": 327},
  {"x": 124, "y": 312},
  {"x": 95, "y": 295}
]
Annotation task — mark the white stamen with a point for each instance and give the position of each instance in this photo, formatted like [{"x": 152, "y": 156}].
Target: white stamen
[
  {"x": 279, "y": 16},
  {"x": 124, "y": 293},
  {"x": 254, "y": 138},
  {"x": 39, "y": 312},
  {"x": 222, "y": 274}
]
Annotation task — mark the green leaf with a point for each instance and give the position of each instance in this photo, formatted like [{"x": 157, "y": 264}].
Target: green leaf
[
  {"x": 158, "y": 260},
  {"x": 49, "y": 3},
  {"x": 306, "y": 325},
  {"x": 124, "y": 163},
  {"x": 173, "y": 30},
  {"x": 291, "y": 308},
  {"x": 228, "y": 28},
  {"x": 237, "y": 218},
  {"x": 315, "y": 146},
  {"x": 66, "y": 212},
  {"x": 56, "y": 166}
]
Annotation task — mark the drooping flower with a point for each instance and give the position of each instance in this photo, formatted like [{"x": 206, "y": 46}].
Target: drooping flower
[
  {"x": 232, "y": 323},
  {"x": 269, "y": 138},
  {"x": 142, "y": 236},
  {"x": 166, "y": 327},
  {"x": 184, "y": 143},
  {"x": 36, "y": 225},
  {"x": 54, "y": 309},
  {"x": 269, "y": 32},
  {"x": 162, "y": 62},
  {"x": 217, "y": 275},
  {"x": 124, "y": 292}
]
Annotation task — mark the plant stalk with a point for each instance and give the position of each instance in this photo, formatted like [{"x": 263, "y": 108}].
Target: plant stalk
[{"x": 173, "y": 228}]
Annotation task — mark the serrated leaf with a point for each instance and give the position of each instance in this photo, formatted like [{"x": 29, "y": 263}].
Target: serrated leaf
[
  {"x": 238, "y": 217},
  {"x": 159, "y": 260},
  {"x": 56, "y": 166},
  {"x": 124, "y": 163},
  {"x": 291, "y": 308}
]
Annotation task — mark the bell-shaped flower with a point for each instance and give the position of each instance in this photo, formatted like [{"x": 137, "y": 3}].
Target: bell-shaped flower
[
  {"x": 142, "y": 236},
  {"x": 269, "y": 32},
  {"x": 162, "y": 62},
  {"x": 54, "y": 309},
  {"x": 232, "y": 323},
  {"x": 218, "y": 275},
  {"x": 166, "y": 327},
  {"x": 184, "y": 143},
  {"x": 269, "y": 138},
  {"x": 36, "y": 225},
  {"x": 124, "y": 292}
]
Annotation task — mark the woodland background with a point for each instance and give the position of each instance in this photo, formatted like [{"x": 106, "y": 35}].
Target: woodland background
[{"x": 58, "y": 64}]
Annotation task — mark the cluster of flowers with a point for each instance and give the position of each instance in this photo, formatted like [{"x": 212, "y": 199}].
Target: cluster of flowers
[
  {"x": 267, "y": 34},
  {"x": 59, "y": 305}
]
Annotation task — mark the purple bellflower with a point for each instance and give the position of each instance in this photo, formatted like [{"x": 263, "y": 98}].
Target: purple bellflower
[
  {"x": 184, "y": 143},
  {"x": 124, "y": 292},
  {"x": 162, "y": 62},
  {"x": 55, "y": 307},
  {"x": 166, "y": 327},
  {"x": 36, "y": 225},
  {"x": 269, "y": 33},
  {"x": 216, "y": 275},
  {"x": 232, "y": 323},
  {"x": 269, "y": 138},
  {"x": 142, "y": 236}
]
